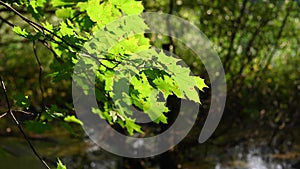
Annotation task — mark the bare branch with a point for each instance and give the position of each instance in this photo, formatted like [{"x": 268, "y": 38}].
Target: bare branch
[
  {"x": 19, "y": 125},
  {"x": 40, "y": 75},
  {"x": 24, "y": 112},
  {"x": 3, "y": 115}
]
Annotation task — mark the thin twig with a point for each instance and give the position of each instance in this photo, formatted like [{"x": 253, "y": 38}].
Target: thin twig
[
  {"x": 16, "y": 111},
  {"x": 7, "y": 22},
  {"x": 3, "y": 115},
  {"x": 38, "y": 27},
  {"x": 40, "y": 76},
  {"x": 48, "y": 46},
  {"x": 170, "y": 28},
  {"x": 24, "y": 112},
  {"x": 44, "y": 42},
  {"x": 35, "y": 25},
  {"x": 19, "y": 125},
  {"x": 43, "y": 30}
]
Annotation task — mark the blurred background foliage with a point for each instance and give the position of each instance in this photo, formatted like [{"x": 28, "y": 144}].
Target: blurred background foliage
[
  {"x": 258, "y": 43},
  {"x": 257, "y": 40}
]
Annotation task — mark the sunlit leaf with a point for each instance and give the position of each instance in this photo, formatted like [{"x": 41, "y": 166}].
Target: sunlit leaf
[
  {"x": 60, "y": 165},
  {"x": 73, "y": 119},
  {"x": 20, "y": 31}
]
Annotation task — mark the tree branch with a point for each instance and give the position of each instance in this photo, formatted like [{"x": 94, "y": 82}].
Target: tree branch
[
  {"x": 42, "y": 29},
  {"x": 40, "y": 76},
  {"x": 235, "y": 28},
  {"x": 44, "y": 42},
  {"x": 38, "y": 27},
  {"x": 9, "y": 111},
  {"x": 3, "y": 115},
  {"x": 279, "y": 34}
]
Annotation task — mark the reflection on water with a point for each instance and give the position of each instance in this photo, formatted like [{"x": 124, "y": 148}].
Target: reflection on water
[
  {"x": 79, "y": 152},
  {"x": 255, "y": 158}
]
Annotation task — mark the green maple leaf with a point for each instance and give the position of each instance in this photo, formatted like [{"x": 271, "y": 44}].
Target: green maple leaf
[
  {"x": 73, "y": 119},
  {"x": 60, "y": 165},
  {"x": 187, "y": 84},
  {"x": 64, "y": 12},
  {"x": 165, "y": 85},
  {"x": 56, "y": 3},
  {"x": 156, "y": 110},
  {"x": 131, "y": 126},
  {"x": 132, "y": 7},
  {"x": 20, "y": 31},
  {"x": 200, "y": 83},
  {"x": 48, "y": 26},
  {"x": 65, "y": 30}
]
